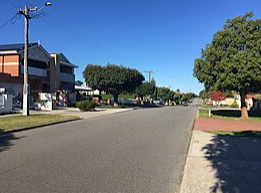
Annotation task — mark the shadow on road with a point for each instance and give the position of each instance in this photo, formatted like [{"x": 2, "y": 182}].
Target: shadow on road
[
  {"x": 236, "y": 162},
  {"x": 6, "y": 140}
]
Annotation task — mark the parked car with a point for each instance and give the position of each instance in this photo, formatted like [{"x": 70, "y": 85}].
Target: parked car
[
  {"x": 185, "y": 104},
  {"x": 157, "y": 101}
]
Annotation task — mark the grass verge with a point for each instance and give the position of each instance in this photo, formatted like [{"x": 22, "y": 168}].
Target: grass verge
[
  {"x": 229, "y": 115},
  {"x": 20, "y": 122},
  {"x": 237, "y": 133}
]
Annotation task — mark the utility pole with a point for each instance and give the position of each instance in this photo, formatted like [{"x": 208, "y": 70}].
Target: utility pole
[
  {"x": 26, "y": 89},
  {"x": 150, "y": 71},
  {"x": 25, "y": 12}
]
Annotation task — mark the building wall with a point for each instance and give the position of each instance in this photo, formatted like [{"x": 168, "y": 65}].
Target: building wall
[
  {"x": 55, "y": 73},
  {"x": 12, "y": 87},
  {"x": 6, "y": 103},
  {"x": 63, "y": 77},
  {"x": 9, "y": 64},
  {"x": 230, "y": 101}
]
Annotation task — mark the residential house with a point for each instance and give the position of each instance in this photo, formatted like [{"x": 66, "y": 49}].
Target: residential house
[
  {"x": 47, "y": 73},
  {"x": 12, "y": 63},
  {"x": 63, "y": 77}
]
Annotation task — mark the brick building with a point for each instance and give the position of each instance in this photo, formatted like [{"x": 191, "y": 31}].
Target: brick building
[{"x": 46, "y": 72}]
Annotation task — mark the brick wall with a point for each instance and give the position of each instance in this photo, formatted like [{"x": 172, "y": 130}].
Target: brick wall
[{"x": 10, "y": 64}]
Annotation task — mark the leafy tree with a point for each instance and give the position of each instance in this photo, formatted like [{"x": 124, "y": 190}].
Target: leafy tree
[
  {"x": 229, "y": 94},
  {"x": 78, "y": 83},
  {"x": 146, "y": 89},
  {"x": 112, "y": 79},
  {"x": 233, "y": 59},
  {"x": 184, "y": 98},
  {"x": 163, "y": 93},
  {"x": 177, "y": 98},
  {"x": 191, "y": 95},
  {"x": 171, "y": 95},
  {"x": 204, "y": 94},
  {"x": 218, "y": 96}
]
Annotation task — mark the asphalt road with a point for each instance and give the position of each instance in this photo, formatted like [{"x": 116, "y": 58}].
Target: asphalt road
[{"x": 141, "y": 151}]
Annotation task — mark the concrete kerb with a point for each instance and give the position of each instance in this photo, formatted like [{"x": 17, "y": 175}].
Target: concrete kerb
[
  {"x": 188, "y": 150},
  {"x": 38, "y": 126},
  {"x": 107, "y": 114},
  {"x": 60, "y": 122}
]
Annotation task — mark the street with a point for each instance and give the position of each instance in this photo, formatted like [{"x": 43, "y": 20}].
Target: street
[{"x": 140, "y": 151}]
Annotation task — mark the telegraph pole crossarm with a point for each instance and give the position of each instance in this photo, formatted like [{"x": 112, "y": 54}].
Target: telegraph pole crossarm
[{"x": 150, "y": 71}]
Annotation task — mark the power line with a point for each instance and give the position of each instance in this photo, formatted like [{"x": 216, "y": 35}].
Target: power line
[
  {"x": 78, "y": 33},
  {"x": 15, "y": 5},
  {"x": 150, "y": 72},
  {"x": 10, "y": 20},
  {"x": 75, "y": 37},
  {"x": 71, "y": 35},
  {"x": 178, "y": 79},
  {"x": 71, "y": 32}
]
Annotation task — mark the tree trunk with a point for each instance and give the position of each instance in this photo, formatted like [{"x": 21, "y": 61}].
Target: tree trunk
[
  {"x": 115, "y": 97},
  {"x": 244, "y": 113}
]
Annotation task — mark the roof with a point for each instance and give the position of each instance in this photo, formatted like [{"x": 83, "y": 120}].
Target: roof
[
  {"x": 250, "y": 96},
  {"x": 82, "y": 88},
  {"x": 15, "y": 46}
]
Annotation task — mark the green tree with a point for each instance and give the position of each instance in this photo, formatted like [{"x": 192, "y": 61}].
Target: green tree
[
  {"x": 233, "y": 59},
  {"x": 164, "y": 93},
  {"x": 78, "y": 83},
  {"x": 177, "y": 97},
  {"x": 191, "y": 95},
  {"x": 205, "y": 94},
  {"x": 113, "y": 79},
  {"x": 184, "y": 98},
  {"x": 146, "y": 89}
]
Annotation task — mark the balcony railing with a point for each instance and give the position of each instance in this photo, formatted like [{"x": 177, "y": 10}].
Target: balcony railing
[
  {"x": 64, "y": 77},
  {"x": 35, "y": 71}
]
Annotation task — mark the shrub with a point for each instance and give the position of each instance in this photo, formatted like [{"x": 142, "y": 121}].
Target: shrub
[
  {"x": 86, "y": 105},
  {"x": 72, "y": 104},
  {"x": 234, "y": 105}
]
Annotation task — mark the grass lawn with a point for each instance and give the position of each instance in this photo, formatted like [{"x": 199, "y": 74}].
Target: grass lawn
[
  {"x": 237, "y": 133},
  {"x": 229, "y": 115},
  {"x": 18, "y": 122}
]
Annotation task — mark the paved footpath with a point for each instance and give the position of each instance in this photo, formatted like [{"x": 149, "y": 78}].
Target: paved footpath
[
  {"x": 206, "y": 124},
  {"x": 222, "y": 164}
]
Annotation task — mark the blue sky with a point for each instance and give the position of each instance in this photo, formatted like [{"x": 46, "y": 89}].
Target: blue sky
[{"x": 161, "y": 35}]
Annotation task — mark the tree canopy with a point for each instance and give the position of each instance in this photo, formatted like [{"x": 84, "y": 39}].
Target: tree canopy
[
  {"x": 78, "y": 83},
  {"x": 165, "y": 93},
  {"x": 112, "y": 78},
  {"x": 218, "y": 95},
  {"x": 232, "y": 61},
  {"x": 204, "y": 94},
  {"x": 146, "y": 89}
]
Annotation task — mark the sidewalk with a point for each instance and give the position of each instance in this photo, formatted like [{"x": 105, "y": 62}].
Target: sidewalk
[
  {"x": 207, "y": 124},
  {"x": 222, "y": 164}
]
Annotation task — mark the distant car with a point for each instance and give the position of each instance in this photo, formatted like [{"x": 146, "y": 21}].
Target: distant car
[
  {"x": 185, "y": 104},
  {"x": 157, "y": 101}
]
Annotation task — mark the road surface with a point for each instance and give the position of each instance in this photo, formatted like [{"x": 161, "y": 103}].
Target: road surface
[{"x": 141, "y": 151}]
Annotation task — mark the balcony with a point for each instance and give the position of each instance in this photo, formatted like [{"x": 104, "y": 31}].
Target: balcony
[
  {"x": 64, "y": 77},
  {"x": 35, "y": 71}
]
